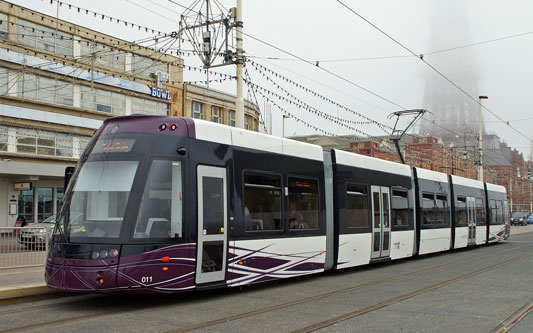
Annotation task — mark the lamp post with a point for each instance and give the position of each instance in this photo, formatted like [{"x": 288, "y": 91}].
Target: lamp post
[{"x": 480, "y": 166}]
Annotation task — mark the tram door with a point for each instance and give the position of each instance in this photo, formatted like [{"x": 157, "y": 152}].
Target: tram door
[
  {"x": 381, "y": 230},
  {"x": 471, "y": 209},
  {"x": 212, "y": 224}
]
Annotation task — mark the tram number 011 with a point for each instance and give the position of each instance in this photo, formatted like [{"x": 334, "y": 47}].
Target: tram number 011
[{"x": 146, "y": 279}]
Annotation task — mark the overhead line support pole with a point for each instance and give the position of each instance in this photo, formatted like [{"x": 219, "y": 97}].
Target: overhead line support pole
[{"x": 239, "y": 102}]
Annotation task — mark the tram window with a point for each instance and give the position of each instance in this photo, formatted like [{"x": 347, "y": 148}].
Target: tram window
[
  {"x": 442, "y": 210},
  {"x": 400, "y": 209},
  {"x": 499, "y": 212},
  {"x": 460, "y": 212},
  {"x": 428, "y": 208},
  {"x": 99, "y": 200},
  {"x": 480, "y": 212},
  {"x": 505, "y": 212},
  {"x": 262, "y": 202},
  {"x": 158, "y": 206},
  {"x": 303, "y": 204},
  {"x": 356, "y": 206},
  {"x": 493, "y": 212}
]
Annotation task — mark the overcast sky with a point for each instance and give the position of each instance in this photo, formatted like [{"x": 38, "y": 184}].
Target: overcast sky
[{"x": 360, "y": 67}]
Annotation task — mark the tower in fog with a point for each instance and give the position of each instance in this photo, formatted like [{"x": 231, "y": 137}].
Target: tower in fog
[{"x": 452, "y": 114}]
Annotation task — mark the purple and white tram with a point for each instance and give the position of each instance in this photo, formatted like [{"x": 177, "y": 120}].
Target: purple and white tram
[{"x": 161, "y": 205}]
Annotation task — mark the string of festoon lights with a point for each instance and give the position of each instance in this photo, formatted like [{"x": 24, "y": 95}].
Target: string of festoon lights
[
  {"x": 68, "y": 60},
  {"x": 96, "y": 39},
  {"x": 205, "y": 71},
  {"x": 267, "y": 72},
  {"x": 312, "y": 109},
  {"x": 251, "y": 88},
  {"x": 298, "y": 120},
  {"x": 210, "y": 81},
  {"x": 104, "y": 17},
  {"x": 305, "y": 107}
]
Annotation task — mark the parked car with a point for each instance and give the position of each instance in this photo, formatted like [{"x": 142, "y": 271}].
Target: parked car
[
  {"x": 530, "y": 219},
  {"x": 35, "y": 235},
  {"x": 519, "y": 218}
]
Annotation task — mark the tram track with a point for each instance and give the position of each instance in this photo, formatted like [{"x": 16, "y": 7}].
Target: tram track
[
  {"x": 514, "y": 319},
  {"x": 342, "y": 291},
  {"x": 401, "y": 298},
  {"x": 110, "y": 312}
]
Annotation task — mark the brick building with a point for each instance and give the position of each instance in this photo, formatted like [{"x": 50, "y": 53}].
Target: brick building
[{"x": 502, "y": 164}]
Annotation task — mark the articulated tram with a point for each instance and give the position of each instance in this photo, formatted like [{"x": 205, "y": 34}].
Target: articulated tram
[{"x": 161, "y": 205}]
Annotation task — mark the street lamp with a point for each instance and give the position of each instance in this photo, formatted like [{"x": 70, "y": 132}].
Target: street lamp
[{"x": 480, "y": 166}]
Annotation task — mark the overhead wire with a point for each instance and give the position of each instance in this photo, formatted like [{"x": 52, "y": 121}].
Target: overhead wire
[
  {"x": 327, "y": 71},
  {"x": 170, "y": 1},
  {"x": 433, "y": 68}
]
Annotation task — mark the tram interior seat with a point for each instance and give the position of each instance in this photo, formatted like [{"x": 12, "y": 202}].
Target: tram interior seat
[{"x": 257, "y": 224}]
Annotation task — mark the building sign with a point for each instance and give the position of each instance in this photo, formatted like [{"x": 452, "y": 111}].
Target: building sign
[
  {"x": 22, "y": 186},
  {"x": 160, "y": 93}
]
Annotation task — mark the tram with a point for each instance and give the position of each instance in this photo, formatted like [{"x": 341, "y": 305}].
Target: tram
[{"x": 162, "y": 205}]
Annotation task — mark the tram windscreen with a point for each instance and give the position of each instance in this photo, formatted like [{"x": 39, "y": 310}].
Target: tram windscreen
[{"x": 99, "y": 199}]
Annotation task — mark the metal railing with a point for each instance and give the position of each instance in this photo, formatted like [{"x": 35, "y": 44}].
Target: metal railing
[{"x": 23, "y": 247}]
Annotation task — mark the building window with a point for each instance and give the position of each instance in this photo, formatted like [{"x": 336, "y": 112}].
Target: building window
[
  {"x": 103, "y": 101},
  {"x": 31, "y": 141},
  {"x": 3, "y": 26},
  {"x": 144, "y": 67},
  {"x": 63, "y": 145},
  {"x": 3, "y": 138},
  {"x": 262, "y": 202},
  {"x": 197, "y": 110},
  {"x": 146, "y": 106},
  {"x": 103, "y": 56},
  {"x": 247, "y": 122},
  {"x": 4, "y": 80},
  {"x": 43, "y": 38},
  {"x": 46, "y": 90},
  {"x": 25, "y": 203},
  {"x": 356, "y": 206},
  {"x": 45, "y": 199},
  {"x": 231, "y": 115},
  {"x": 83, "y": 142},
  {"x": 216, "y": 114}
]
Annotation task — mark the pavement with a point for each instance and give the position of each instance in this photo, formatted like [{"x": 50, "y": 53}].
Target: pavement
[{"x": 19, "y": 283}]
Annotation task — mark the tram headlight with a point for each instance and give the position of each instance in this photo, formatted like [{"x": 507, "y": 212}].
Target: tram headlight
[{"x": 103, "y": 254}]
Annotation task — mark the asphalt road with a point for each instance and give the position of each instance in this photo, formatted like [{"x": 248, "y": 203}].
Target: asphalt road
[{"x": 488, "y": 288}]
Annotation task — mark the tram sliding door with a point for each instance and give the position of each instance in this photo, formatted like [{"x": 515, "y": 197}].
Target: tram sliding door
[
  {"x": 471, "y": 209},
  {"x": 381, "y": 230},
  {"x": 212, "y": 224}
]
